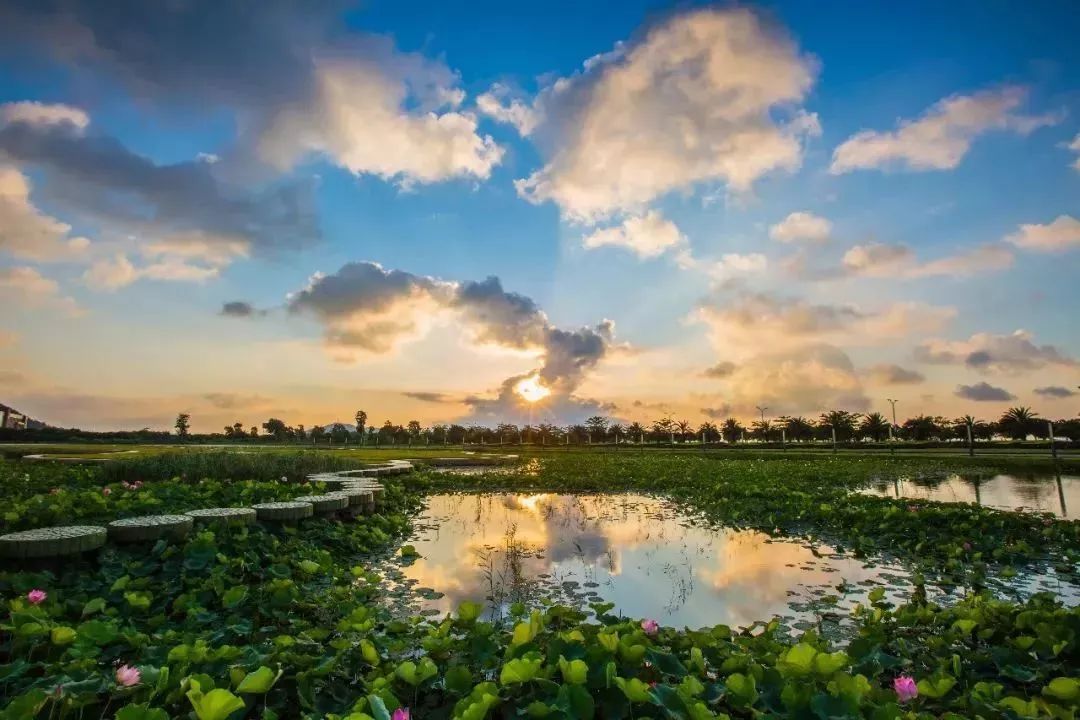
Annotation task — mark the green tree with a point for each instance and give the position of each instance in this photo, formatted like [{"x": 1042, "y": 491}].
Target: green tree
[
  {"x": 597, "y": 427},
  {"x": 275, "y": 428},
  {"x": 709, "y": 431},
  {"x": 182, "y": 424},
  {"x": 761, "y": 430},
  {"x": 361, "y": 422},
  {"x": 796, "y": 429},
  {"x": 414, "y": 428}
]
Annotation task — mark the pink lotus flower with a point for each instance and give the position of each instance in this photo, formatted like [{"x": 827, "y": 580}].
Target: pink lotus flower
[
  {"x": 36, "y": 597},
  {"x": 106, "y": 491},
  {"x": 401, "y": 713},
  {"x": 54, "y": 491},
  {"x": 651, "y": 627},
  {"x": 905, "y": 688},
  {"x": 913, "y": 508},
  {"x": 127, "y": 675},
  {"x": 967, "y": 547}
]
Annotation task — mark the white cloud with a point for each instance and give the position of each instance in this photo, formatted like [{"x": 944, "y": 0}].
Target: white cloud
[
  {"x": 181, "y": 257},
  {"x": 801, "y": 226},
  {"x": 728, "y": 266},
  {"x": 25, "y": 231},
  {"x": 1075, "y": 147},
  {"x": 1013, "y": 353},
  {"x": 695, "y": 100},
  {"x": 897, "y": 260},
  {"x": 941, "y": 137},
  {"x": 36, "y": 113},
  {"x": 397, "y": 124},
  {"x": 648, "y": 236},
  {"x": 1060, "y": 235},
  {"x": 497, "y": 105},
  {"x": 27, "y": 286},
  {"x": 753, "y": 323}
]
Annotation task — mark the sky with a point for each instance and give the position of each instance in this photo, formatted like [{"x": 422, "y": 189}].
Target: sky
[{"x": 632, "y": 209}]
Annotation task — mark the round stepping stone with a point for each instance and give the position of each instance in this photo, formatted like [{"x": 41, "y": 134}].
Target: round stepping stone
[
  {"x": 52, "y": 542},
  {"x": 284, "y": 510},
  {"x": 325, "y": 503},
  {"x": 245, "y": 516},
  {"x": 150, "y": 527},
  {"x": 357, "y": 496}
]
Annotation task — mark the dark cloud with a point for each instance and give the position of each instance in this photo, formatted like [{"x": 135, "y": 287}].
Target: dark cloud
[
  {"x": 217, "y": 51},
  {"x": 720, "y": 370},
  {"x": 234, "y": 401},
  {"x": 1055, "y": 391},
  {"x": 888, "y": 374},
  {"x": 96, "y": 176},
  {"x": 431, "y": 397},
  {"x": 717, "y": 413},
  {"x": 1013, "y": 353},
  {"x": 506, "y": 318},
  {"x": 240, "y": 309},
  {"x": 978, "y": 359},
  {"x": 983, "y": 392}
]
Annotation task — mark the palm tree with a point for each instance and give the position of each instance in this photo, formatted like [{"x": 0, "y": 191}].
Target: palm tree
[
  {"x": 732, "y": 430},
  {"x": 797, "y": 429},
  {"x": 875, "y": 426},
  {"x": 760, "y": 429},
  {"x": 636, "y": 431},
  {"x": 597, "y": 427},
  {"x": 683, "y": 427},
  {"x": 1018, "y": 422},
  {"x": 709, "y": 432},
  {"x": 616, "y": 431},
  {"x": 663, "y": 428},
  {"x": 842, "y": 421},
  {"x": 921, "y": 427},
  {"x": 361, "y": 421}
]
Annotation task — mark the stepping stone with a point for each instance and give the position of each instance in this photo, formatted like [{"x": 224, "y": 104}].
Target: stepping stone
[
  {"x": 245, "y": 516},
  {"x": 52, "y": 541},
  {"x": 150, "y": 527},
  {"x": 284, "y": 511},
  {"x": 357, "y": 496},
  {"x": 324, "y": 504}
]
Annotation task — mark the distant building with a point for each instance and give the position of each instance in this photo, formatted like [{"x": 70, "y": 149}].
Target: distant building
[{"x": 12, "y": 419}]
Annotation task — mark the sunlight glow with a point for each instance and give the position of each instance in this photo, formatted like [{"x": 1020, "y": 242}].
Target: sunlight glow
[{"x": 531, "y": 389}]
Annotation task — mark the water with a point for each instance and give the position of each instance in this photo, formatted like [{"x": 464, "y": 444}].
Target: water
[
  {"x": 635, "y": 551},
  {"x": 1057, "y": 494}
]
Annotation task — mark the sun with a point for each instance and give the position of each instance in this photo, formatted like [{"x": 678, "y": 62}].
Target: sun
[{"x": 531, "y": 389}]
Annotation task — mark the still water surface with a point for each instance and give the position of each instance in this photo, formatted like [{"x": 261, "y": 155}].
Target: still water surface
[
  {"x": 1057, "y": 494},
  {"x": 636, "y": 551}
]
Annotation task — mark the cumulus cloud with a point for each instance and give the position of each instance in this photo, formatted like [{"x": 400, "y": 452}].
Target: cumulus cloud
[
  {"x": 1060, "y": 235},
  {"x": 1055, "y": 391},
  {"x": 941, "y": 137},
  {"x": 25, "y": 231},
  {"x": 371, "y": 309},
  {"x": 37, "y": 113},
  {"x": 890, "y": 374},
  {"x": 28, "y": 287},
  {"x": 801, "y": 227},
  {"x": 1075, "y": 147},
  {"x": 708, "y": 96},
  {"x": 983, "y": 392},
  {"x": 360, "y": 119},
  {"x": 430, "y": 397},
  {"x": 296, "y": 85},
  {"x": 898, "y": 260},
  {"x": 647, "y": 236},
  {"x": 1013, "y": 353},
  {"x": 811, "y": 378},
  {"x": 754, "y": 321}
]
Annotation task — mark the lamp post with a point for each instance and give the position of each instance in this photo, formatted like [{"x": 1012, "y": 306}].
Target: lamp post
[
  {"x": 892, "y": 439},
  {"x": 762, "y": 410}
]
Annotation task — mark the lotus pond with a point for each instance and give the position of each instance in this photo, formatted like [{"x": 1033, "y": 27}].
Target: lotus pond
[
  {"x": 1038, "y": 492},
  {"x": 664, "y": 572}
]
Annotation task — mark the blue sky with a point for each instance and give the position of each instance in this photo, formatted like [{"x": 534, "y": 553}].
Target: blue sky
[{"x": 206, "y": 155}]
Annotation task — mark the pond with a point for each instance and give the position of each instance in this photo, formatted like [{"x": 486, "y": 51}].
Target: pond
[
  {"x": 636, "y": 551},
  {"x": 1057, "y": 494}
]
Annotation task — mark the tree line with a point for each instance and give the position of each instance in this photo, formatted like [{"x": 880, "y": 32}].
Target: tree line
[{"x": 1017, "y": 423}]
